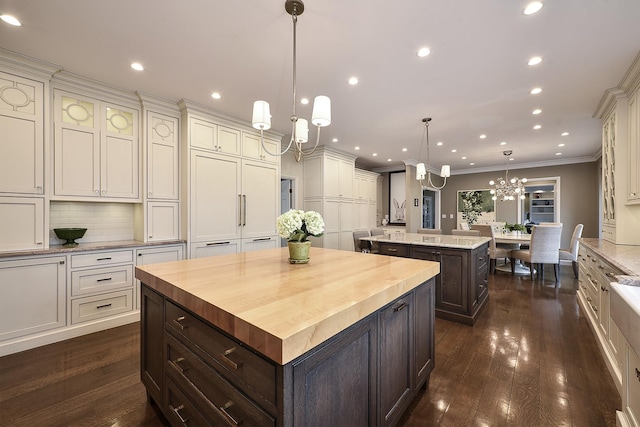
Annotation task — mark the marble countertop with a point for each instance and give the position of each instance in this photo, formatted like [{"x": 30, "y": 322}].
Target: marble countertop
[
  {"x": 624, "y": 257},
  {"x": 89, "y": 246},
  {"x": 280, "y": 309},
  {"x": 440, "y": 240}
]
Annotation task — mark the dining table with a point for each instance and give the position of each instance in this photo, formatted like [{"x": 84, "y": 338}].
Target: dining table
[{"x": 513, "y": 237}]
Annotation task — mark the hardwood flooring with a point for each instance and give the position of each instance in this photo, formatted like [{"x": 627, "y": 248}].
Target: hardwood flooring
[{"x": 531, "y": 360}]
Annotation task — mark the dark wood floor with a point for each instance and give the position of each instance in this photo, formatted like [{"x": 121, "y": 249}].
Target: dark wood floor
[{"x": 531, "y": 360}]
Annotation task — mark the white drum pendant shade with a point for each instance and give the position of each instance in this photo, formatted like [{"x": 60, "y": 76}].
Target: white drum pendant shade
[
  {"x": 421, "y": 171},
  {"x": 261, "y": 115},
  {"x": 321, "y": 115},
  {"x": 302, "y": 131}
]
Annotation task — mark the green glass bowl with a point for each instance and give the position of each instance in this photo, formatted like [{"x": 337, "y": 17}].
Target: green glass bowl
[{"x": 69, "y": 234}]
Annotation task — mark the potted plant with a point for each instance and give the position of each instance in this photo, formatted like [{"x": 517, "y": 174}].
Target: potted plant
[
  {"x": 296, "y": 226},
  {"x": 515, "y": 227}
]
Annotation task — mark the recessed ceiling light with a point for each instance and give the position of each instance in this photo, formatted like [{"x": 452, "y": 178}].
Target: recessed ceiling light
[
  {"x": 304, "y": 101},
  {"x": 137, "y": 66},
  {"x": 334, "y": 140},
  {"x": 424, "y": 51},
  {"x": 216, "y": 95},
  {"x": 464, "y": 157},
  {"x": 11, "y": 20},
  {"x": 439, "y": 144},
  {"x": 536, "y": 127},
  {"x": 404, "y": 149},
  {"x": 454, "y": 151},
  {"x": 534, "y": 60},
  {"x": 471, "y": 164},
  {"x": 560, "y": 145},
  {"x": 503, "y": 143},
  {"x": 483, "y": 136},
  {"x": 357, "y": 148},
  {"x": 375, "y": 154},
  {"x": 564, "y": 134},
  {"x": 536, "y": 111},
  {"x": 353, "y": 81},
  {"x": 388, "y": 160},
  {"x": 510, "y": 159},
  {"x": 558, "y": 154},
  {"x": 532, "y": 8},
  {"x": 535, "y": 91}
]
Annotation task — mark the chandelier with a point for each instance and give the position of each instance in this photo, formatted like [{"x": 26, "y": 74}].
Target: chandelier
[
  {"x": 320, "y": 117},
  {"x": 423, "y": 172},
  {"x": 508, "y": 189}
]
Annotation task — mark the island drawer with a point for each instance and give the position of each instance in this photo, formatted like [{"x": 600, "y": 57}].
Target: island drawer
[
  {"x": 95, "y": 307},
  {"x": 250, "y": 372},
  {"x": 101, "y": 279},
  {"x": 94, "y": 259},
  {"x": 223, "y": 401},
  {"x": 179, "y": 410},
  {"x": 393, "y": 249}
]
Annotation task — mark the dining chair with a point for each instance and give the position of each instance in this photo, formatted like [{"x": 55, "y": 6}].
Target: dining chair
[
  {"x": 456, "y": 232},
  {"x": 375, "y": 248},
  {"x": 571, "y": 254},
  {"x": 429, "y": 231},
  {"x": 464, "y": 225},
  {"x": 361, "y": 245},
  {"x": 543, "y": 249}
]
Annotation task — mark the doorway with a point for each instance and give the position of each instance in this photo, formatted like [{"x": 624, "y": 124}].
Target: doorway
[
  {"x": 541, "y": 202},
  {"x": 429, "y": 209}
]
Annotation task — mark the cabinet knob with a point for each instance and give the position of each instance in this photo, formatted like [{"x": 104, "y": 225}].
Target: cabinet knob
[{"x": 151, "y": 237}]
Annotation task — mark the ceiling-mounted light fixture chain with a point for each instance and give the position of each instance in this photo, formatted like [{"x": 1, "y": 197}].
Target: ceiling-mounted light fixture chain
[
  {"x": 423, "y": 172},
  {"x": 320, "y": 117}
]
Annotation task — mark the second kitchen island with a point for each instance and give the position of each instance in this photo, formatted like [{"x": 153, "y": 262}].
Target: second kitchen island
[
  {"x": 461, "y": 287},
  {"x": 249, "y": 339}
]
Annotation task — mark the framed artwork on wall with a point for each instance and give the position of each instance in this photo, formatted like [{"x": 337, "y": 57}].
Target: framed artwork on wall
[
  {"x": 476, "y": 207},
  {"x": 397, "y": 198}
]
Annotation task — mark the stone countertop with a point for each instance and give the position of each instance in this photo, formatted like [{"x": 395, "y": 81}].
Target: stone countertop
[
  {"x": 89, "y": 246},
  {"x": 280, "y": 309},
  {"x": 439, "y": 240},
  {"x": 624, "y": 257}
]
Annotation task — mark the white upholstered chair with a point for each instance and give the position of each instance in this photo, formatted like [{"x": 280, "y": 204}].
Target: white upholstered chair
[
  {"x": 495, "y": 251},
  {"x": 361, "y": 245},
  {"x": 429, "y": 231},
  {"x": 543, "y": 249},
  {"x": 571, "y": 253}
]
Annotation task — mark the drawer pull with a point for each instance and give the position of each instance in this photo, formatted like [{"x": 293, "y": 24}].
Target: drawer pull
[
  {"x": 104, "y": 259},
  {"x": 178, "y": 324},
  {"x": 176, "y": 365},
  {"x": 104, "y": 280},
  {"x": 392, "y": 250},
  {"x": 224, "y": 411},
  {"x": 228, "y": 361},
  {"x": 176, "y": 411},
  {"x": 610, "y": 275},
  {"x": 218, "y": 243},
  {"x": 400, "y": 307},
  {"x": 263, "y": 239},
  {"x": 103, "y": 306}
]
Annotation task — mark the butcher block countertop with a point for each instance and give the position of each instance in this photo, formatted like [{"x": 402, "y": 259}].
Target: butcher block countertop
[{"x": 283, "y": 310}]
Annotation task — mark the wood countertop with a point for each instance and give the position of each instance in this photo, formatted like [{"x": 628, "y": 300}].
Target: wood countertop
[
  {"x": 440, "y": 240},
  {"x": 283, "y": 310}
]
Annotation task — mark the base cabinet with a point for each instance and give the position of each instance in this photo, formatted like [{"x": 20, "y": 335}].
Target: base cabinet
[
  {"x": 461, "y": 287},
  {"x": 365, "y": 376}
]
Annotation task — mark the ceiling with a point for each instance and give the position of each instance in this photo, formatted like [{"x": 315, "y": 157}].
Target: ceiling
[{"x": 475, "y": 81}]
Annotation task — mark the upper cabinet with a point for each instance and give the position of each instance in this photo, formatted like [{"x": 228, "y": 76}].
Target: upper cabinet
[
  {"x": 329, "y": 173},
  {"x": 22, "y": 137},
  {"x": 96, "y": 149},
  {"x": 162, "y": 159},
  {"x": 620, "y": 115}
]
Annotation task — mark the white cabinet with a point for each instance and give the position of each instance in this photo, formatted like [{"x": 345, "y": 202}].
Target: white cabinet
[
  {"x": 366, "y": 200},
  {"x": 21, "y": 223},
  {"x": 252, "y": 148},
  {"x": 163, "y": 221},
  {"x": 213, "y": 137},
  {"x": 162, "y": 156},
  {"x": 223, "y": 247},
  {"x": 22, "y": 140},
  {"x": 633, "y": 159},
  {"x": 156, "y": 255},
  {"x": 33, "y": 296},
  {"x": 96, "y": 149},
  {"x": 631, "y": 393},
  {"x": 329, "y": 173}
]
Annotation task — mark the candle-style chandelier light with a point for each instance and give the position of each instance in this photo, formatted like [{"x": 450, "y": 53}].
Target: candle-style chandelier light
[
  {"x": 423, "y": 172},
  {"x": 320, "y": 117}
]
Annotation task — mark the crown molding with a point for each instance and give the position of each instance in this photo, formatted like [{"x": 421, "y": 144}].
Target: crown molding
[
  {"x": 74, "y": 82},
  {"x": 157, "y": 104},
  {"x": 545, "y": 163},
  {"x": 609, "y": 98},
  {"x": 10, "y": 60}
]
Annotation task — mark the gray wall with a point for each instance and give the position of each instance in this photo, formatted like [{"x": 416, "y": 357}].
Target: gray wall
[{"x": 579, "y": 192}]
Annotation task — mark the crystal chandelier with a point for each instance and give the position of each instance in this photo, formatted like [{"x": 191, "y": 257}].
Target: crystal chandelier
[
  {"x": 320, "y": 117},
  {"x": 505, "y": 188},
  {"x": 423, "y": 172}
]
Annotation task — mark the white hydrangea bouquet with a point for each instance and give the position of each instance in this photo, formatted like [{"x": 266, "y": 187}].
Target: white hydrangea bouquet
[{"x": 296, "y": 225}]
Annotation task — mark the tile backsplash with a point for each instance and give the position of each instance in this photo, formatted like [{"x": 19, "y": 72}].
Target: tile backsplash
[{"x": 103, "y": 221}]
